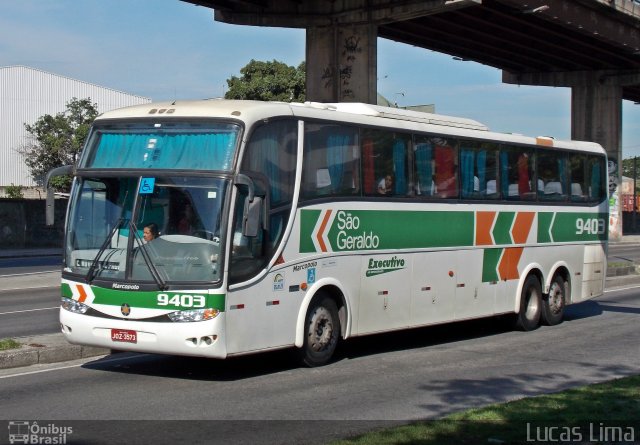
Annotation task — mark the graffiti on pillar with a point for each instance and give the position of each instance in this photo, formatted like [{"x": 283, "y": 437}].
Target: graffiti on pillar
[
  {"x": 614, "y": 202},
  {"x": 351, "y": 48},
  {"x": 327, "y": 77},
  {"x": 613, "y": 176},
  {"x": 350, "y": 51},
  {"x": 345, "y": 80},
  {"x": 343, "y": 74}
]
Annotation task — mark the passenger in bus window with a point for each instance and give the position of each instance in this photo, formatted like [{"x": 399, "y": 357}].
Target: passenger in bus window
[
  {"x": 150, "y": 232},
  {"x": 385, "y": 185}
]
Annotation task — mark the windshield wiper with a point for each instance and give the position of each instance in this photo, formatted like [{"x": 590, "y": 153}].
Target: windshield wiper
[
  {"x": 91, "y": 274},
  {"x": 147, "y": 259}
]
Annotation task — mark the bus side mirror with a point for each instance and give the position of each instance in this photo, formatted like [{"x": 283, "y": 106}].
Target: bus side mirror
[
  {"x": 58, "y": 171},
  {"x": 251, "y": 221},
  {"x": 255, "y": 208}
]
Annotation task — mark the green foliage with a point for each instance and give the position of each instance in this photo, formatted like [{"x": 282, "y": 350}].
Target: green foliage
[
  {"x": 14, "y": 191},
  {"x": 8, "y": 343},
  {"x": 616, "y": 403},
  {"x": 627, "y": 167},
  {"x": 57, "y": 140},
  {"x": 268, "y": 81}
]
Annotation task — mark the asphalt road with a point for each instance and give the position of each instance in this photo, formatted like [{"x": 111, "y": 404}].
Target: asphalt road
[
  {"x": 624, "y": 252},
  {"x": 376, "y": 380},
  {"x": 25, "y": 312}
]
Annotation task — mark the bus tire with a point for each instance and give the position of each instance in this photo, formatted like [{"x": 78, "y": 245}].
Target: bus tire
[
  {"x": 528, "y": 318},
  {"x": 554, "y": 302},
  {"x": 321, "y": 331}
]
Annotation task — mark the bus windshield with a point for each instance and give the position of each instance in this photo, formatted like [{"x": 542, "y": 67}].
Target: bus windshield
[
  {"x": 162, "y": 229},
  {"x": 174, "y": 145}
]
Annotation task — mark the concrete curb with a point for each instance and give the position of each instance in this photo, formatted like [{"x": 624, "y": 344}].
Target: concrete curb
[{"x": 50, "y": 348}]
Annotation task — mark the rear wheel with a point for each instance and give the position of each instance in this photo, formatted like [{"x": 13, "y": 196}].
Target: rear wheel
[
  {"x": 530, "y": 305},
  {"x": 553, "y": 303},
  {"x": 321, "y": 331}
]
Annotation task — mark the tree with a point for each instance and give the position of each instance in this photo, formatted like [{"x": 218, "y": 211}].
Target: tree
[
  {"x": 57, "y": 140},
  {"x": 268, "y": 81}
]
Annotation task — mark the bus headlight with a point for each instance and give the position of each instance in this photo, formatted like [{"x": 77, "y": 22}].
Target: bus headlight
[
  {"x": 74, "y": 306},
  {"x": 193, "y": 315}
]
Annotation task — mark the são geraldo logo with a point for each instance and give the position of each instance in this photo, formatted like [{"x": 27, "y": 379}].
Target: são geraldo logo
[{"x": 347, "y": 233}]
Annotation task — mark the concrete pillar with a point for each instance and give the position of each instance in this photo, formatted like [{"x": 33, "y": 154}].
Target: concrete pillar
[
  {"x": 342, "y": 63},
  {"x": 596, "y": 115}
]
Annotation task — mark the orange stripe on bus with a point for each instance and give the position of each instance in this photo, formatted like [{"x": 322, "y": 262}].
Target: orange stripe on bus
[
  {"x": 508, "y": 267},
  {"x": 323, "y": 226},
  {"x": 522, "y": 226},
  {"x": 484, "y": 222},
  {"x": 82, "y": 292},
  {"x": 545, "y": 142}
]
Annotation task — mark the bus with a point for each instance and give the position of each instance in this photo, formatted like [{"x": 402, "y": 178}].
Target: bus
[{"x": 299, "y": 225}]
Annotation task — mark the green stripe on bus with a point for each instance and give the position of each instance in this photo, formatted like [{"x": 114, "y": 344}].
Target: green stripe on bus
[
  {"x": 502, "y": 228},
  {"x": 571, "y": 226},
  {"x": 65, "y": 290},
  {"x": 490, "y": 265},
  {"x": 353, "y": 230},
  {"x": 149, "y": 299},
  {"x": 544, "y": 223},
  {"x": 308, "y": 220}
]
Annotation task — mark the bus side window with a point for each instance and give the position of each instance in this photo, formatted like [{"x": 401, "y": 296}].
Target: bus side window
[
  {"x": 331, "y": 161},
  {"x": 423, "y": 167},
  {"x": 479, "y": 170},
  {"x": 446, "y": 169},
  {"x": 517, "y": 174},
  {"x": 552, "y": 175},
  {"x": 385, "y": 163}
]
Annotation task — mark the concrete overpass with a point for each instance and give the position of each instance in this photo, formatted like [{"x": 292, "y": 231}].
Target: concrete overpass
[{"x": 591, "y": 46}]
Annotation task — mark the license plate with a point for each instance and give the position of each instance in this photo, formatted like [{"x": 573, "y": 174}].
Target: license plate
[{"x": 124, "y": 335}]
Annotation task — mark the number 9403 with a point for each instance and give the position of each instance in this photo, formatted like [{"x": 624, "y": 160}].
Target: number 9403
[
  {"x": 590, "y": 226},
  {"x": 181, "y": 300}
]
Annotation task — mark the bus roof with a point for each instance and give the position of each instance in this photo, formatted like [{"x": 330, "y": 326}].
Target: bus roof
[{"x": 250, "y": 111}]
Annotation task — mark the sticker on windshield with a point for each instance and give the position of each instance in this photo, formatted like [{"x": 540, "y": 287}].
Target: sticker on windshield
[{"x": 146, "y": 185}]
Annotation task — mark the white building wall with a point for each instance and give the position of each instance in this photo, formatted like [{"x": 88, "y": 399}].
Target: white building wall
[{"x": 28, "y": 93}]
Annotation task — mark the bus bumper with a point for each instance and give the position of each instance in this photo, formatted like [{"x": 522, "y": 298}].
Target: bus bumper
[{"x": 199, "y": 339}]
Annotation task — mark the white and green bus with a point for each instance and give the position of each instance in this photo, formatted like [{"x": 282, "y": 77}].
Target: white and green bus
[{"x": 217, "y": 228}]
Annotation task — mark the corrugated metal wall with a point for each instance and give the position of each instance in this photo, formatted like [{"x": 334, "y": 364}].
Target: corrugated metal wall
[{"x": 28, "y": 93}]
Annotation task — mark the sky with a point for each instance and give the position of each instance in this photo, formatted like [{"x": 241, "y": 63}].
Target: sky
[{"x": 170, "y": 49}]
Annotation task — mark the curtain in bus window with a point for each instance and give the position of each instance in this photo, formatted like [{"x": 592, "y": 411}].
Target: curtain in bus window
[
  {"x": 524, "y": 185},
  {"x": 116, "y": 150},
  {"x": 399, "y": 152},
  {"x": 337, "y": 154},
  {"x": 466, "y": 159},
  {"x": 595, "y": 181},
  {"x": 265, "y": 160},
  {"x": 482, "y": 172},
  {"x": 504, "y": 173},
  {"x": 445, "y": 175},
  {"x": 423, "y": 165},
  {"x": 562, "y": 177},
  {"x": 368, "y": 167},
  {"x": 204, "y": 151}
]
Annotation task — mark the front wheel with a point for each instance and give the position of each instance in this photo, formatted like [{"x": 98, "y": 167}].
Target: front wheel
[
  {"x": 530, "y": 305},
  {"x": 553, "y": 303},
  {"x": 321, "y": 331}
]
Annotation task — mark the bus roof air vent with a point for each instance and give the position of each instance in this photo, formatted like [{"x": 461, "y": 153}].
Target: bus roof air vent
[{"x": 408, "y": 115}]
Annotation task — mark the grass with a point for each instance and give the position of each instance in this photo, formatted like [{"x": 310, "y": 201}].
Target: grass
[
  {"x": 8, "y": 343},
  {"x": 613, "y": 406},
  {"x": 619, "y": 264}
]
